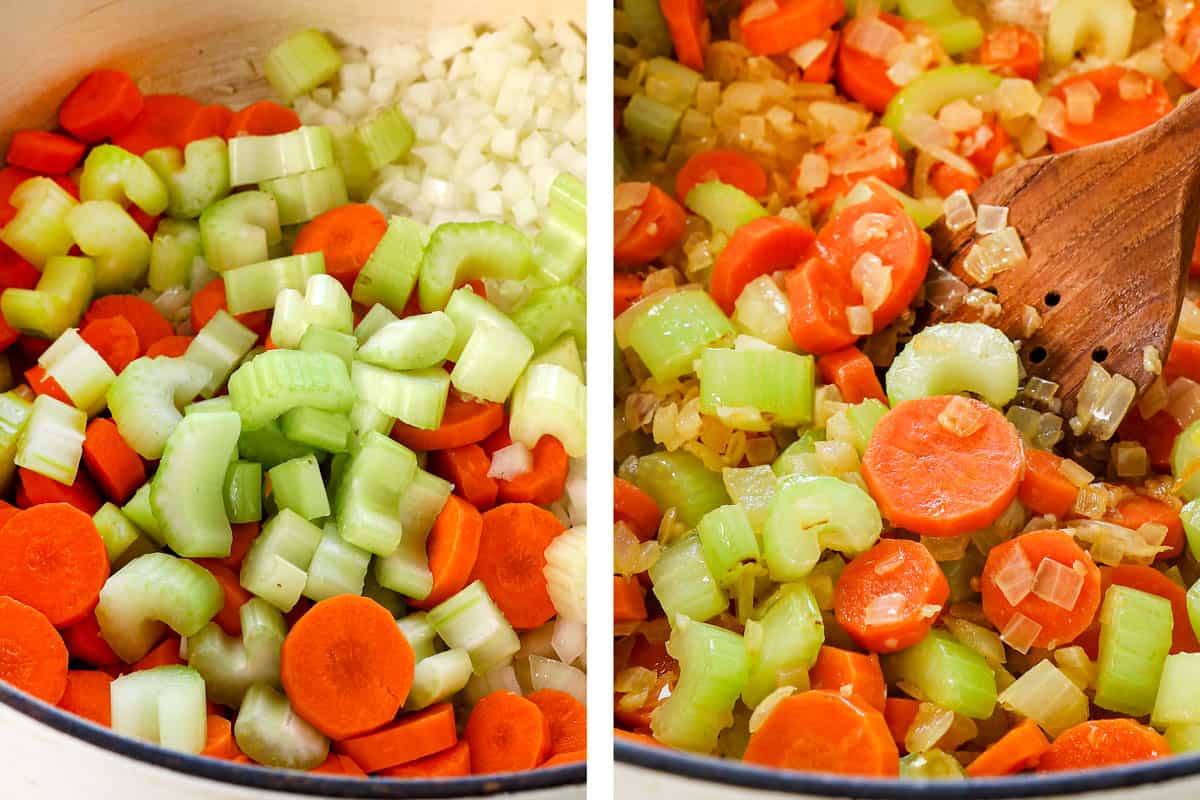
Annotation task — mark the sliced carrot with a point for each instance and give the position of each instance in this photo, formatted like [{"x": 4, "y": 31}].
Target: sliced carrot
[
  {"x": 572, "y": 757},
  {"x": 496, "y": 440},
  {"x": 512, "y": 555},
  {"x": 453, "y": 762},
  {"x": 114, "y": 339},
  {"x": 41, "y": 383},
  {"x": 463, "y": 422},
  {"x": 219, "y": 741},
  {"x": 146, "y": 222},
  {"x": 819, "y": 293},
  {"x": 546, "y": 479},
  {"x": 761, "y": 247},
  {"x": 111, "y": 461},
  {"x": 1045, "y": 489},
  {"x": 1113, "y": 116},
  {"x": 467, "y": 468},
  {"x": 7, "y": 512},
  {"x": 35, "y": 658},
  {"x": 871, "y": 154},
  {"x": 338, "y": 764},
  {"x": 158, "y": 124},
  {"x": 645, "y": 230},
  {"x": 946, "y": 180},
  {"x": 507, "y": 733},
  {"x": 1183, "y": 360},
  {"x": 87, "y": 696},
  {"x": 452, "y": 547},
  {"x": 207, "y": 122},
  {"x": 899, "y": 713},
  {"x": 15, "y": 272},
  {"x": 347, "y": 235},
  {"x": 629, "y": 599},
  {"x": 32, "y": 347},
  {"x": 229, "y": 617},
  {"x": 44, "y": 152},
  {"x": 853, "y": 374},
  {"x": 1058, "y": 625},
  {"x": 263, "y": 118},
  {"x": 636, "y": 738},
  {"x": 324, "y": 660},
  {"x": 140, "y": 313},
  {"x": 1103, "y": 743},
  {"x": 170, "y": 346},
  {"x": 411, "y": 737},
  {"x": 727, "y": 166},
  {"x": 1013, "y": 51},
  {"x": 1018, "y": 750},
  {"x": 1157, "y": 435},
  {"x": 985, "y": 145},
  {"x": 8, "y": 334},
  {"x": 821, "y": 70},
  {"x": 81, "y": 494},
  {"x": 856, "y": 675},
  {"x": 791, "y": 24},
  {"x": 864, "y": 77},
  {"x": 688, "y": 23},
  {"x": 627, "y": 290},
  {"x": 211, "y": 299},
  {"x": 892, "y": 568},
  {"x": 636, "y": 509},
  {"x": 1133, "y": 512},
  {"x": 164, "y": 654},
  {"x": 244, "y": 535},
  {"x": 567, "y": 718},
  {"x": 85, "y": 643},
  {"x": 103, "y": 105},
  {"x": 823, "y": 731}
]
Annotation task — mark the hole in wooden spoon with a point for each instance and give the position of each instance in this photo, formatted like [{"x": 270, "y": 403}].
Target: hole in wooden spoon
[
  {"x": 992, "y": 290},
  {"x": 1053, "y": 298},
  {"x": 1038, "y": 354},
  {"x": 1099, "y": 354}
]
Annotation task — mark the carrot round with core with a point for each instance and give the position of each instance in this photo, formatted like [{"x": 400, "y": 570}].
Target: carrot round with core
[
  {"x": 789, "y": 25},
  {"x": 85, "y": 643},
  {"x": 688, "y": 23},
  {"x": 467, "y": 468},
  {"x": 263, "y": 118},
  {"x": 627, "y": 290},
  {"x": 347, "y": 235},
  {"x": 629, "y": 599},
  {"x": 862, "y": 76},
  {"x": 507, "y": 733},
  {"x": 206, "y": 123},
  {"x": 1045, "y": 489},
  {"x": 219, "y": 741},
  {"x": 346, "y": 667},
  {"x": 111, "y": 461},
  {"x": 647, "y": 222},
  {"x": 512, "y": 555},
  {"x": 114, "y": 339},
  {"x": 103, "y": 105},
  {"x": 34, "y": 656},
  {"x": 44, "y": 152},
  {"x": 146, "y": 320},
  {"x": 169, "y": 346},
  {"x": 1013, "y": 51},
  {"x": 453, "y": 762},
  {"x": 1133, "y": 512},
  {"x": 463, "y": 422},
  {"x": 544, "y": 482},
  {"x": 636, "y": 509},
  {"x": 766, "y": 245},
  {"x": 81, "y": 494},
  {"x": 1114, "y": 116},
  {"x": 229, "y": 617},
  {"x": 158, "y": 124},
  {"x": 836, "y": 668},
  {"x": 1017, "y": 750},
  {"x": 1103, "y": 743},
  {"x": 87, "y": 696},
  {"x": 899, "y": 713},
  {"x": 411, "y": 737},
  {"x": 452, "y": 547},
  {"x": 211, "y": 299},
  {"x": 853, "y": 374},
  {"x": 888, "y": 598},
  {"x": 727, "y": 166},
  {"x": 822, "y": 731},
  {"x": 567, "y": 718}
]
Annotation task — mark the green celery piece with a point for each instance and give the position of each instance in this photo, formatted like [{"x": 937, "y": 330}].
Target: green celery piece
[
  {"x": 679, "y": 480},
  {"x": 420, "y": 635},
  {"x": 240, "y": 230},
  {"x": 173, "y": 250},
  {"x": 271, "y": 733},
  {"x": 958, "y": 32},
  {"x": 307, "y": 195},
  {"x": 470, "y": 620},
  {"x": 650, "y": 120},
  {"x": 187, "y": 493},
  {"x": 269, "y": 446},
  {"x": 62, "y": 293},
  {"x": 14, "y": 413},
  {"x": 772, "y": 381},
  {"x": 1185, "y": 460},
  {"x": 563, "y": 353},
  {"x": 672, "y": 82},
  {"x": 1193, "y": 606},
  {"x": 324, "y": 303},
  {"x": 322, "y": 430},
  {"x": 415, "y": 342},
  {"x": 116, "y": 244},
  {"x": 790, "y": 636},
  {"x": 1183, "y": 738},
  {"x": 490, "y": 364},
  {"x": 337, "y": 567},
  {"x": 376, "y": 317},
  {"x": 1178, "y": 699},
  {"x": 726, "y": 207},
  {"x": 255, "y": 287},
  {"x": 195, "y": 178},
  {"x": 276, "y": 566},
  {"x": 714, "y": 665},
  {"x": 762, "y": 310},
  {"x": 1135, "y": 637},
  {"x": 257, "y": 159},
  {"x": 304, "y": 61},
  {"x": 367, "y": 500},
  {"x": 727, "y": 541},
  {"x": 417, "y": 397},
  {"x": 219, "y": 347},
  {"x": 390, "y": 600},
  {"x": 961, "y": 573},
  {"x": 298, "y": 485},
  {"x": 231, "y": 666},
  {"x": 164, "y": 706},
  {"x": 117, "y": 530},
  {"x": 438, "y": 678},
  {"x": 317, "y": 339},
  {"x": 141, "y": 514},
  {"x": 752, "y": 488},
  {"x": 955, "y": 357},
  {"x": 463, "y": 251},
  {"x": 146, "y": 397},
  {"x": 550, "y": 312},
  {"x": 51, "y": 443},
  {"x": 936, "y": 88},
  {"x": 351, "y": 156},
  {"x": 386, "y": 137},
  {"x": 810, "y": 514},
  {"x": 39, "y": 231},
  {"x": 1190, "y": 516},
  {"x": 948, "y": 673},
  {"x": 930, "y": 765},
  {"x": 684, "y": 584},
  {"x": 550, "y": 400},
  {"x": 279, "y": 380},
  {"x": 406, "y": 569},
  {"x": 648, "y": 26},
  {"x": 1105, "y": 25},
  {"x": 466, "y": 310},
  {"x": 150, "y": 593},
  {"x": 243, "y": 492},
  {"x": 560, "y": 247},
  {"x": 79, "y": 370},
  {"x": 670, "y": 335},
  {"x": 113, "y": 174},
  {"x": 391, "y": 272},
  {"x": 863, "y": 417}
]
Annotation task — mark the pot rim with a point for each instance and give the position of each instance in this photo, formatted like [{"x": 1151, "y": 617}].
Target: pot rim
[{"x": 280, "y": 780}]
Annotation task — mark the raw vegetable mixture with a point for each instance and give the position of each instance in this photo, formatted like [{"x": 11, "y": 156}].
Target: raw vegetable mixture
[
  {"x": 844, "y": 541},
  {"x": 293, "y": 483}
]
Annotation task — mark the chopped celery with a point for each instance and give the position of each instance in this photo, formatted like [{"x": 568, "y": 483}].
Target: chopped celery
[
  {"x": 173, "y": 251},
  {"x": 301, "y": 63},
  {"x": 80, "y": 371},
  {"x": 118, "y": 246},
  {"x": 14, "y": 413},
  {"x": 271, "y": 733},
  {"x": 116, "y": 175},
  {"x": 684, "y": 584},
  {"x": 771, "y": 381},
  {"x": 648, "y": 26},
  {"x": 386, "y": 137},
  {"x": 307, "y": 195},
  {"x": 139, "y": 511},
  {"x": 390, "y": 600},
  {"x": 391, "y": 272},
  {"x": 726, "y": 207},
  {"x": 351, "y": 156},
  {"x": 117, "y": 530},
  {"x": 51, "y": 443},
  {"x": 714, "y": 665},
  {"x": 790, "y": 636},
  {"x": 58, "y": 302},
  {"x": 462, "y": 251},
  {"x": 298, "y": 485},
  {"x": 255, "y": 287},
  {"x": 415, "y": 342},
  {"x": 962, "y": 575},
  {"x": 679, "y": 480},
  {"x": 810, "y": 514},
  {"x": 324, "y": 303},
  {"x": 955, "y": 357},
  {"x": 762, "y": 310},
  {"x": 466, "y": 310},
  {"x": 367, "y": 499},
  {"x": 438, "y": 678},
  {"x": 146, "y": 397},
  {"x": 1190, "y": 517},
  {"x": 947, "y": 673},
  {"x": 490, "y": 364},
  {"x": 673, "y": 332},
  {"x": 337, "y": 567},
  {"x": 933, "y": 764},
  {"x": 279, "y": 380},
  {"x": 1046, "y": 695},
  {"x": 165, "y": 706},
  {"x": 471, "y": 621},
  {"x": 563, "y": 353},
  {"x": 195, "y": 178},
  {"x": 727, "y": 541},
  {"x": 752, "y": 488},
  {"x": 406, "y": 569},
  {"x": 863, "y": 417},
  {"x": 269, "y": 446},
  {"x": 243, "y": 492},
  {"x": 417, "y": 398},
  {"x": 230, "y": 666},
  {"x": 1183, "y": 738},
  {"x": 958, "y": 32},
  {"x": 1135, "y": 637},
  {"x": 420, "y": 635},
  {"x": 560, "y": 248},
  {"x": 317, "y": 339},
  {"x": 276, "y": 566},
  {"x": 1185, "y": 459},
  {"x": 188, "y": 490},
  {"x": 375, "y": 318},
  {"x": 39, "y": 231},
  {"x": 153, "y": 592},
  {"x": 933, "y": 89},
  {"x": 1105, "y": 26},
  {"x": 1178, "y": 698},
  {"x": 220, "y": 346},
  {"x": 255, "y": 159},
  {"x": 550, "y": 400},
  {"x": 323, "y": 430},
  {"x": 548, "y": 313},
  {"x": 651, "y": 120},
  {"x": 240, "y": 230},
  {"x": 672, "y": 82}
]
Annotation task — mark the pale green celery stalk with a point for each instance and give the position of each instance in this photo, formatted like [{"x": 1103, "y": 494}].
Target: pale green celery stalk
[
  {"x": 317, "y": 339},
  {"x": 762, "y": 310},
  {"x": 955, "y": 357},
  {"x": 376, "y": 317},
  {"x": 195, "y": 178},
  {"x": 255, "y": 287},
  {"x": 219, "y": 347},
  {"x": 240, "y": 230},
  {"x": 1106, "y": 26},
  {"x": 364, "y": 417},
  {"x": 560, "y": 247},
  {"x": 117, "y": 245},
  {"x": 421, "y": 636},
  {"x": 367, "y": 501},
  {"x": 1183, "y": 738},
  {"x": 726, "y": 207},
  {"x": 651, "y": 120},
  {"x": 322, "y": 430},
  {"x": 324, "y": 303},
  {"x": 337, "y": 567},
  {"x": 809, "y": 515},
  {"x": 307, "y": 195},
  {"x": 39, "y": 232},
  {"x": 298, "y": 485},
  {"x": 787, "y": 637},
  {"x": 255, "y": 159},
  {"x": 276, "y": 566},
  {"x": 463, "y": 251},
  {"x": 390, "y": 600},
  {"x": 243, "y": 492},
  {"x": 714, "y": 665},
  {"x": 350, "y": 154},
  {"x": 438, "y": 678},
  {"x": 684, "y": 584},
  {"x": 957, "y": 31},
  {"x": 947, "y": 673},
  {"x": 14, "y": 413},
  {"x": 1190, "y": 516},
  {"x": 1046, "y": 695},
  {"x": 550, "y": 312},
  {"x": 386, "y": 136},
  {"x": 863, "y": 417},
  {"x": 417, "y": 397},
  {"x": 146, "y": 397},
  {"x": 139, "y": 511},
  {"x": 208, "y": 406},
  {"x": 173, "y": 251},
  {"x": 563, "y": 353},
  {"x": 679, "y": 480},
  {"x": 466, "y": 310},
  {"x": 491, "y": 363},
  {"x": 962, "y": 575},
  {"x": 81, "y": 372},
  {"x": 932, "y": 764},
  {"x": 924, "y": 211},
  {"x": 670, "y": 82},
  {"x": 231, "y": 666},
  {"x": 51, "y": 442},
  {"x": 113, "y": 174},
  {"x": 772, "y": 381},
  {"x": 550, "y": 399},
  {"x": 118, "y": 531},
  {"x": 279, "y": 380},
  {"x": 752, "y": 488},
  {"x": 271, "y": 733},
  {"x": 164, "y": 706},
  {"x": 301, "y": 63},
  {"x": 1185, "y": 457},
  {"x": 391, "y": 272},
  {"x": 151, "y": 592},
  {"x": 187, "y": 493},
  {"x": 406, "y": 569},
  {"x": 1178, "y": 698},
  {"x": 58, "y": 302},
  {"x": 1135, "y": 637},
  {"x": 727, "y": 541},
  {"x": 932, "y": 90},
  {"x": 416, "y": 342},
  {"x": 648, "y": 26},
  {"x": 671, "y": 334},
  {"x": 471, "y": 621}
]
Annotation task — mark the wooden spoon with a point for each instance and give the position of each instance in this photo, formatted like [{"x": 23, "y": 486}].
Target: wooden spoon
[{"x": 1109, "y": 230}]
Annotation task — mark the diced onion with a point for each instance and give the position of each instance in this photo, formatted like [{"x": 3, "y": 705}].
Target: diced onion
[
  {"x": 930, "y": 724},
  {"x": 1052, "y": 116},
  {"x": 1076, "y": 474},
  {"x": 1081, "y": 102},
  {"x": 545, "y": 673},
  {"x": 1133, "y": 86},
  {"x": 1031, "y": 321},
  {"x": 872, "y": 279},
  {"x": 630, "y": 195},
  {"x": 885, "y": 609},
  {"x": 959, "y": 211},
  {"x": 1014, "y": 578},
  {"x": 1075, "y": 664},
  {"x": 510, "y": 462},
  {"x": 1151, "y": 360},
  {"x": 979, "y": 638},
  {"x": 869, "y": 228},
  {"x": 813, "y": 173},
  {"x": 1057, "y": 583},
  {"x": 992, "y": 219},
  {"x": 873, "y": 37},
  {"x": 1130, "y": 459},
  {"x": 837, "y": 458},
  {"x": 890, "y": 564},
  {"x": 806, "y": 54},
  {"x": 763, "y": 710},
  {"x": 961, "y": 417},
  {"x": 1183, "y": 400},
  {"x": 860, "y": 321},
  {"x": 959, "y": 116},
  {"x": 570, "y": 640},
  {"x": 1021, "y": 632},
  {"x": 760, "y": 9},
  {"x": 566, "y": 573}
]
